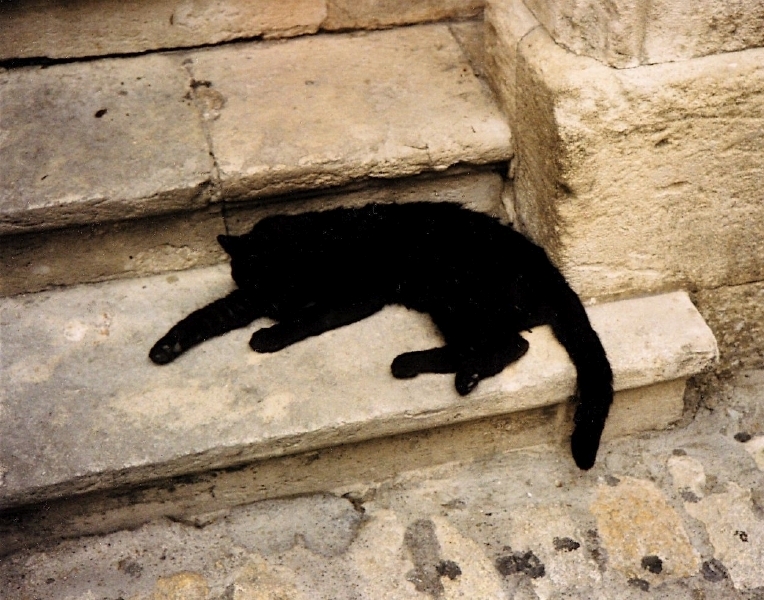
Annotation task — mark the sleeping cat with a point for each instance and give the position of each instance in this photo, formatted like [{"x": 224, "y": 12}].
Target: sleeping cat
[{"x": 481, "y": 282}]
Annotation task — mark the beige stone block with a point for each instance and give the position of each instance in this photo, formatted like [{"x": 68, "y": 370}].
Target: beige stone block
[
  {"x": 47, "y": 28},
  {"x": 736, "y": 316},
  {"x": 635, "y": 520},
  {"x": 329, "y": 110},
  {"x": 372, "y": 14},
  {"x": 99, "y": 141},
  {"x": 36, "y": 261},
  {"x": 627, "y": 33},
  {"x": 642, "y": 179}
]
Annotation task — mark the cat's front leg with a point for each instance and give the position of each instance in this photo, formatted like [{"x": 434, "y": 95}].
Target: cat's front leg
[
  {"x": 487, "y": 362},
  {"x": 312, "y": 320},
  {"x": 233, "y": 311},
  {"x": 434, "y": 360}
]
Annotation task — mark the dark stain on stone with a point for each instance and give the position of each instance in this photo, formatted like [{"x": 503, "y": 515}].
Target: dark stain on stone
[
  {"x": 520, "y": 562},
  {"x": 652, "y": 563},
  {"x": 455, "y": 504},
  {"x": 743, "y": 437},
  {"x": 679, "y": 452},
  {"x": 196, "y": 83},
  {"x": 130, "y": 567},
  {"x": 597, "y": 553},
  {"x": 429, "y": 567},
  {"x": 100, "y": 113},
  {"x": 713, "y": 570},
  {"x": 448, "y": 568},
  {"x": 742, "y": 535},
  {"x": 689, "y": 496},
  {"x": 612, "y": 481},
  {"x": 565, "y": 544},
  {"x": 640, "y": 583}
]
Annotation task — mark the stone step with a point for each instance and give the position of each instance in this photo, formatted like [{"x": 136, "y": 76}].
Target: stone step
[
  {"x": 83, "y": 409},
  {"x": 90, "y": 148},
  {"x": 35, "y": 30}
]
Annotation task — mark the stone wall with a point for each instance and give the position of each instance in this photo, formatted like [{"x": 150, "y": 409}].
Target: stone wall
[{"x": 642, "y": 179}]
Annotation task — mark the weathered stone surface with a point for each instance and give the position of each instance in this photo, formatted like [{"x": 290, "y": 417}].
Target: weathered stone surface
[
  {"x": 637, "y": 179},
  {"x": 737, "y": 534},
  {"x": 688, "y": 476},
  {"x": 99, "y": 27},
  {"x": 76, "y": 377},
  {"x": 283, "y": 117},
  {"x": 736, "y": 316},
  {"x": 98, "y": 252},
  {"x": 501, "y": 520},
  {"x": 627, "y": 33},
  {"x": 635, "y": 520},
  {"x": 477, "y": 189},
  {"x": 180, "y": 586},
  {"x": 99, "y": 141},
  {"x": 35, "y": 261},
  {"x": 368, "y": 14}
]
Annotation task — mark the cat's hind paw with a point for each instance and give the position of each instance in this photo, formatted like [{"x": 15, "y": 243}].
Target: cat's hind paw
[{"x": 466, "y": 381}]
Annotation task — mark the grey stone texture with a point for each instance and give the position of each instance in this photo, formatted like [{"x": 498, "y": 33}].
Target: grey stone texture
[
  {"x": 83, "y": 408},
  {"x": 628, "y": 33},
  {"x": 286, "y": 117},
  {"x": 68, "y": 29},
  {"x": 99, "y": 141},
  {"x": 515, "y": 525}
]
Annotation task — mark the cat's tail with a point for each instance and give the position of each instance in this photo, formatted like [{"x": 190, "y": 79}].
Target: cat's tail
[
  {"x": 221, "y": 316},
  {"x": 572, "y": 328}
]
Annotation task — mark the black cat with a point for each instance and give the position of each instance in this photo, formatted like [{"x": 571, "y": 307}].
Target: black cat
[{"x": 481, "y": 282}]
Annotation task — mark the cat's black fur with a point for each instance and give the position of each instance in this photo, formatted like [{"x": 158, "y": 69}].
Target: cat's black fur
[{"x": 480, "y": 281}]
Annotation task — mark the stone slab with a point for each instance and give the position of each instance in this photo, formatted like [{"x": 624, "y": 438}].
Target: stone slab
[
  {"x": 99, "y": 141},
  {"x": 673, "y": 515},
  {"x": 43, "y": 28},
  {"x": 132, "y": 248},
  {"x": 83, "y": 408},
  {"x": 627, "y": 33},
  {"x": 372, "y": 14},
  {"x": 478, "y": 189},
  {"x": 39, "y": 260},
  {"x": 286, "y": 117},
  {"x": 635, "y": 180}
]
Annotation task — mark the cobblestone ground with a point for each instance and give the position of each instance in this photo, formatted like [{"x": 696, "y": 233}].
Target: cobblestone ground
[{"x": 674, "y": 514}]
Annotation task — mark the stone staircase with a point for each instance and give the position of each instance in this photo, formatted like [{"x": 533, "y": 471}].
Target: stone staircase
[{"x": 119, "y": 172}]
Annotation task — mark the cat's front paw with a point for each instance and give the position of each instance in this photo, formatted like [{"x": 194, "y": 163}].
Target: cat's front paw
[
  {"x": 165, "y": 351},
  {"x": 265, "y": 340},
  {"x": 405, "y": 366}
]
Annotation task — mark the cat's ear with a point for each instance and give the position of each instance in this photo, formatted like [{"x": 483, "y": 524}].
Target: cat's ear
[{"x": 229, "y": 243}]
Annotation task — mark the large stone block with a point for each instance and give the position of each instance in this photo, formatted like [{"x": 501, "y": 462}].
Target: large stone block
[
  {"x": 639, "y": 179},
  {"x": 99, "y": 141},
  {"x": 327, "y": 110},
  {"x": 626, "y": 33},
  {"x": 367, "y": 14},
  {"x": 47, "y": 28}
]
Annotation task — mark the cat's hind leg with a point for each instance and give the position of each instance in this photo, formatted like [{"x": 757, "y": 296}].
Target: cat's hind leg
[
  {"x": 478, "y": 364},
  {"x": 221, "y": 316},
  {"x": 310, "y": 321},
  {"x": 434, "y": 360}
]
